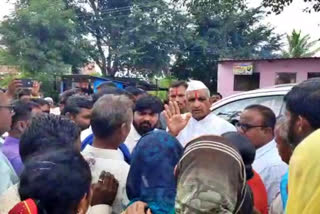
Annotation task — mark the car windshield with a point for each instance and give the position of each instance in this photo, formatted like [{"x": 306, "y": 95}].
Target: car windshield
[{"x": 233, "y": 108}]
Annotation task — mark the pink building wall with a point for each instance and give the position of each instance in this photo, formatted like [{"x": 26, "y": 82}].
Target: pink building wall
[{"x": 268, "y": 70}]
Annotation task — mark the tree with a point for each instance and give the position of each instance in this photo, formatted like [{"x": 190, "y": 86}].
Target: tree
[
  {"x": 41, "y": 37},
  {"x": 224, "y": 29},
  {"x": 277, "y": 6},
  {"x": 132, "y": 35},
  {"x": 300, "y": 46}
]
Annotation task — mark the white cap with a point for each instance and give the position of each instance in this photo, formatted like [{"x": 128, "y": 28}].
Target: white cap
[
  {"x": 48, "y": 99},
  {"x": 196, "y": 85}
]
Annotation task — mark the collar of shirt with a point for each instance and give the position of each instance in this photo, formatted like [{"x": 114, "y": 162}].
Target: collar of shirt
[
  {"x": 103, "y": 153},
  {"x": 134, "y": 134},
  {"x": 264, "y": 149},
  {"x": 11, "y": 141}
]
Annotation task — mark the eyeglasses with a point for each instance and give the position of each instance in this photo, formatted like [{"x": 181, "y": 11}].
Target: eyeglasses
[
  {"x": 9, "y": 107},
  {"x": 245, "y": 127}
]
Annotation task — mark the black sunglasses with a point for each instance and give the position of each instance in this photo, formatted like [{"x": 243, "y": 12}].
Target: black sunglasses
[{"x": 246, "y": 127}]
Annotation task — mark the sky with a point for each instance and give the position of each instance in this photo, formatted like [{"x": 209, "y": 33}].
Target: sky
[{"x": 291, "y": 18}]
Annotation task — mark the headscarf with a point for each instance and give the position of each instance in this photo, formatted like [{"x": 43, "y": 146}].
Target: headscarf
[
  {"x": 151, "y": 177},
  {"x": 304, "y": 174},
  {"x": 246, "y": 149},
  {"x": 28, "y": 206},
  {"x": 211, "y": 178}
]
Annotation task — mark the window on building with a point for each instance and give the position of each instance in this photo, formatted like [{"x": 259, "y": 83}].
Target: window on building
[
  {"x": 246, "y": 82},
  {"x": 284, "y": 78},
  {"x": 313, "y": 74}
]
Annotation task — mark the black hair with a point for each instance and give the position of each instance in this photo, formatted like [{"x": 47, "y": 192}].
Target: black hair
[
  {"x": 66, "y": 94},
  {"x": 56, "y": 181},
  {"x": 245, "y": 148},
  {"x": 218, "y": 94},
  {"x": 75, "y": 103},
  {"x": 24, "y": 92},
  {"x": 111, "y": 90},
  {"x": 22, "y": 111},
  {"x": 304, "y": 100},
  {"x": 149, "y": 102},
  {"x": 40, "y": 101},
  {"x": 178, "y": 84},
  {"x": 135, "y": 91},
  {"x": 48, "y": 132},
  {"x": 33, "y": 105},
  {"x": 269, "y": 118}
]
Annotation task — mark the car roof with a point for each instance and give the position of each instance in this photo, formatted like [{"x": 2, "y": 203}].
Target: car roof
[{"x": 280, "y": 90}]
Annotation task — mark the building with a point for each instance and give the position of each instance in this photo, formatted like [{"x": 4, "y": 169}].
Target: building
[{"x": 248, "y": 74}]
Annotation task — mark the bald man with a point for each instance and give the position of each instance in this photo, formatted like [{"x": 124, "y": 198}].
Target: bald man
[
  {"x": 200, "y": 120},
  {"x": 7, "y": 174}
]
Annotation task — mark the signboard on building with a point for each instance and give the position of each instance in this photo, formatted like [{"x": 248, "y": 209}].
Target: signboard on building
[{"x": 243, "y": 68}]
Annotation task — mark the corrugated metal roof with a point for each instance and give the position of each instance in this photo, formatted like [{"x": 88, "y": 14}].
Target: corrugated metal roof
[{"x": 267, "y": 59}]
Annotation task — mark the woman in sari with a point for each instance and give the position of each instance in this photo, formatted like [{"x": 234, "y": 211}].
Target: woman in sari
[
  {"x": 212, "y": 179},
  {"x": 151, "y": 177}
]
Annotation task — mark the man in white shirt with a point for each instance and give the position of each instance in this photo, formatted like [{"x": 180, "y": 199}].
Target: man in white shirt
[
  {"x": 7, "y": 174},
  {"x": 145, "y": 119},
  {"x": 200, "y": 121},
  {"x": 257, "y": 122},
  {"x": 110, "y": 121}
]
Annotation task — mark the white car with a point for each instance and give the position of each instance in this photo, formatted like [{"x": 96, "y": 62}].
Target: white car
[{"x": 272, "y": 97}]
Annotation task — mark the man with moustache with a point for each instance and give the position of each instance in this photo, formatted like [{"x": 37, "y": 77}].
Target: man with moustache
[
  {"x": 145, "y": 119},
  {"x": 200, "y": 120}
]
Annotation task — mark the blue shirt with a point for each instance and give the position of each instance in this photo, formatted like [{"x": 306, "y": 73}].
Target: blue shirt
[{"x": 123, "y": 148}]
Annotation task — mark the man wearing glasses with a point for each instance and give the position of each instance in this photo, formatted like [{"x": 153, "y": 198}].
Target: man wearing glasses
[
  {"x": 7, "y": 174},
  {"x": 257, "y": 122}
]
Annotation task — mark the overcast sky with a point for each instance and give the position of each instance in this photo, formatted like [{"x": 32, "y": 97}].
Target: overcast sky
[{"x": 291, "y": 18}]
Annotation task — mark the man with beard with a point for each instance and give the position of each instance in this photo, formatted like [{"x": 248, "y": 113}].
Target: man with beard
[
  {"x": 303, "y": 120},
  {"x": 145, "y": 119},
  {"x": 200, "y": 120}
]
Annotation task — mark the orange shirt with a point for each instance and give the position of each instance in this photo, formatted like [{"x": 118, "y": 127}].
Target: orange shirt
[{"x": 260, "y": 196}]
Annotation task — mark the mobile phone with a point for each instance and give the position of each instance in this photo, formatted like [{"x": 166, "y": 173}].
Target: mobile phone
[{"x": 27, "y": 83}]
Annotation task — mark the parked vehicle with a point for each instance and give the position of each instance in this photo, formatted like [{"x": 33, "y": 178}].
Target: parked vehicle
[{"x": 230, "y": 107}]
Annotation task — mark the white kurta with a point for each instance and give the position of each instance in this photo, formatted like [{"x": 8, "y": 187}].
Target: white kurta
[
  {"x": 132, "y": 139},
  {"x": 210, "y": 125},
  {"x": 110, "y": 161}
]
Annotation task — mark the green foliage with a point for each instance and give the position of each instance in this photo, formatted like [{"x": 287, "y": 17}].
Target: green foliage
[
  {"x": 300, "y": 46},
  {"x": 277, "y": 6},
  {"x": 41, "y": 37},
  {"x": 234, "y": 31}
]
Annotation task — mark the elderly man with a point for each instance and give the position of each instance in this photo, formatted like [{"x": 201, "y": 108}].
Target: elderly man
[
  {"x": 145, "y": 119},
  {"x": 200, "y": 121},
  {"x": 111, "y": 122},
  {"x": 7, "y": 174},
  {"x": 257, "y": 122}
]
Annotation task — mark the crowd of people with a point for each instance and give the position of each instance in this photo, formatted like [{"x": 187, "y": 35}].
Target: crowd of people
[{"x": 123, "y": 151}]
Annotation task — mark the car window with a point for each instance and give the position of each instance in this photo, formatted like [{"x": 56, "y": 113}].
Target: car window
[{"x": 273, "y": 102}]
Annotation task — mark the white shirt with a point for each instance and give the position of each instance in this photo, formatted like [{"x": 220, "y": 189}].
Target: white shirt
[
  {"x": 132, "y": 139},
  {"x": 85, "y": 133},
  {"x": 210, "y": 125},
  {"x": 270, "y": 167},
  {"x": 110, "y": 161}
]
